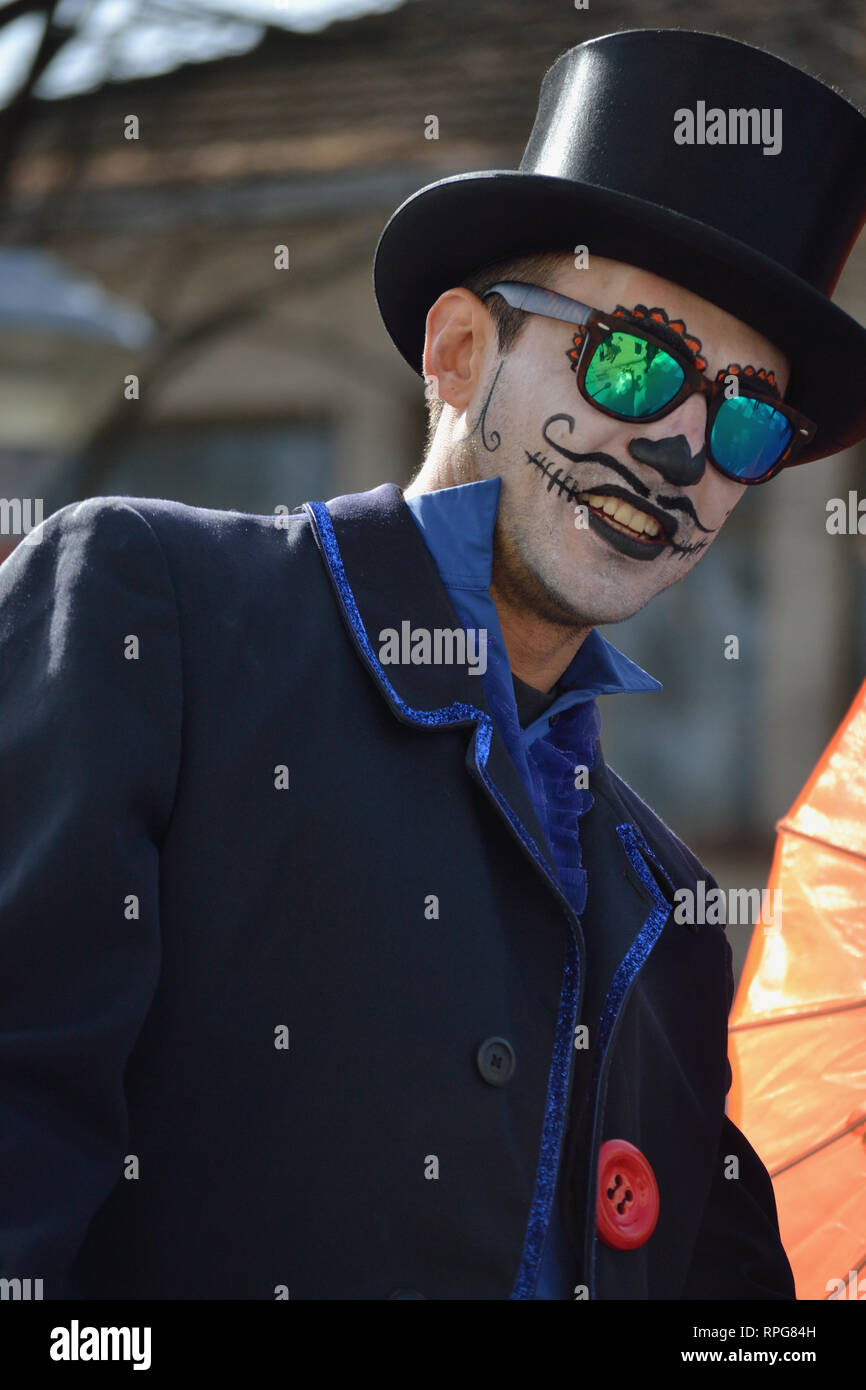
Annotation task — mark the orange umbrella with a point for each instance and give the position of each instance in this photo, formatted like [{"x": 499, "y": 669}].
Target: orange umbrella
[{"x": 798, "y": 1025}]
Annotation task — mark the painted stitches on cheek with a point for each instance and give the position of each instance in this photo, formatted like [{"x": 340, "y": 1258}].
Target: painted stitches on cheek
[
  {"x": 620, "y": 536},
  {"x": 686, "y": 548},
  {"x": 593, "y": 497},
  {"x": 565, "y": 486}
]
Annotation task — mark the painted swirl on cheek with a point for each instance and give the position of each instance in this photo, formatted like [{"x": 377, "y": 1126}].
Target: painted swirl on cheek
[{"x": 492, "y": 441}]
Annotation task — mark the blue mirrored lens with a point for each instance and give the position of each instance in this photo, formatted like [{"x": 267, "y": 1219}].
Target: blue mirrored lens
[{"x": 748, "y": 436}]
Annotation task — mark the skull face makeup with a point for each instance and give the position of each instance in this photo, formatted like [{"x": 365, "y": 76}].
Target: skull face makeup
[{"x": 597, "y": 514}]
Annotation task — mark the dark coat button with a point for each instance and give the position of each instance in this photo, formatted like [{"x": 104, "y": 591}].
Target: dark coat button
[
  {"x": 406, "y": 1293},
  {"x": 496, "y": 1061}
]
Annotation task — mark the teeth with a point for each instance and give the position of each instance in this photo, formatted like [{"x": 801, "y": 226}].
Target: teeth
[{"x": 623, "y": 513}]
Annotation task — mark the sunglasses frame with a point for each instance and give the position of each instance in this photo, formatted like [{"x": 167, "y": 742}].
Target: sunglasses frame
[{"x": 599, "y": 326}]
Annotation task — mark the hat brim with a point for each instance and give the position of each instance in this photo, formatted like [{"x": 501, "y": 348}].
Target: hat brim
[{"x": 457, "y": 225}]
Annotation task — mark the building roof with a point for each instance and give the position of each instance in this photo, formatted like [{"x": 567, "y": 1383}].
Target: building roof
[{"x": 351, "y": 100}]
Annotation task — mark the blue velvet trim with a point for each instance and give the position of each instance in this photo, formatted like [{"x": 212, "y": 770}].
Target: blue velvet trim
[
  {"x": 456, "y": 713},
  {"x": 632, "y": 962},
  {"x": 557, "y": 1085},
  {"x": 552, "y": 1130},
  {"x": 636, "y": 956}
]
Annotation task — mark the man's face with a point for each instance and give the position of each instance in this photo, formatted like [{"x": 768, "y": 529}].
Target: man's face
[{"x": 654, "y": 504}]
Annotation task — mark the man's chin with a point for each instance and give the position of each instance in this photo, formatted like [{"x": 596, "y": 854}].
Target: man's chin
[
  {"x": 595, "y": 604},
  {"x": 613, "y": 588},
  {"x": 609, "y": 617}
]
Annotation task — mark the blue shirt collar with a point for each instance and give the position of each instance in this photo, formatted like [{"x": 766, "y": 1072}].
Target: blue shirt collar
[{"x": 458, "y": 524}]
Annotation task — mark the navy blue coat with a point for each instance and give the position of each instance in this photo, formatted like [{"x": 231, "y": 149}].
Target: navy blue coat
[{"x": 170, "y": 900}]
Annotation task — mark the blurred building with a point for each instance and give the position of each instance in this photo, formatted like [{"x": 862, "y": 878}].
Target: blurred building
[{"x": 266, "y": 386}]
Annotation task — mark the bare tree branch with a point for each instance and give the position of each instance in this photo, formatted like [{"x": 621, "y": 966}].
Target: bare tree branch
[
  {"x": 125, "y": 420},
  {"x": 15, "y": 116}
]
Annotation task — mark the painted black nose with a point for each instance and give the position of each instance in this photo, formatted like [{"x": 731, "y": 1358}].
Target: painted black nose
[{"x": 672, "y": 458}]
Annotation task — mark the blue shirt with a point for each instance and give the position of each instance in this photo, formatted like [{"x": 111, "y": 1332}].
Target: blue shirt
[{"x": 457, "y": 524}]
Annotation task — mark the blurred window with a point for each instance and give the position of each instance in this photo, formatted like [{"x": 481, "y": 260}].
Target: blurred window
[
  {"x": 690, "y": 750},
  {"x": 231, "y": 466}
]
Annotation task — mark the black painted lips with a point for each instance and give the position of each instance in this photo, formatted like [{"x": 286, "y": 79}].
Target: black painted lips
[
  {"x": 668, "y": 523},
  {"x": 637, "y": 550}
]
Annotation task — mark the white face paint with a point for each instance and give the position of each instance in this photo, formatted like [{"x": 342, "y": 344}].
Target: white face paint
[{"x": 523, "y": 419}]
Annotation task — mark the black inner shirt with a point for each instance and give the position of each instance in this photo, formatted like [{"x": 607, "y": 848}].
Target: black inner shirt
[{"x": 531, "y": 702}]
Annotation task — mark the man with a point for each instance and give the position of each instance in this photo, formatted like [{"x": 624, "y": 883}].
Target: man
[{"x": 336, "y": 962}]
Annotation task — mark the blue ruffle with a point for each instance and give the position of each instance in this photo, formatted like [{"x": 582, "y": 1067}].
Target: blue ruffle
[
  {"x": 547, "y": 764},
  {"x": 571, "y": 743}
]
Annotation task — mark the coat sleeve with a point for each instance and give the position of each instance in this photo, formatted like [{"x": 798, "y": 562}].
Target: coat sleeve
[
  {"x": 90, "y": 711},
  {"x": 739, "y": 1252}
]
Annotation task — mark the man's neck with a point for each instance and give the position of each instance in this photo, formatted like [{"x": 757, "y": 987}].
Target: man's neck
[{"x": 538, "y": 652}]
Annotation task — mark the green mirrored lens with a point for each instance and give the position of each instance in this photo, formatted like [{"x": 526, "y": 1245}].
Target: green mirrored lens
[
  {"x": 749, "y": 436},
  {"x": 632, "y": 377}
]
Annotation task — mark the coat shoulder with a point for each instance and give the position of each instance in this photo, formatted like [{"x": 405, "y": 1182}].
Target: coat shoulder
[
  {"x": 171, "y": 520},
  {"x": 203, "y": 546}
]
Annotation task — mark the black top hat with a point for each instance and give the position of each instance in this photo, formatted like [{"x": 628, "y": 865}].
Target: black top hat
[{"x": 762, "y": 235}]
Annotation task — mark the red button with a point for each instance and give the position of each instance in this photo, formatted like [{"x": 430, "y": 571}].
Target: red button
[{"x": 628, "y": 1196}]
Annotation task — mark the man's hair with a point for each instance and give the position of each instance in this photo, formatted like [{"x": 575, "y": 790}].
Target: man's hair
[{"x": 539, "y": 269}]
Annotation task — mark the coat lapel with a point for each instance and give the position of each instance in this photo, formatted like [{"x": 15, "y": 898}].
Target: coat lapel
[
  {"x": 384, "y": 575},
  {"x": 629, "y": 900},
  {"x": 619, "y": 900}
]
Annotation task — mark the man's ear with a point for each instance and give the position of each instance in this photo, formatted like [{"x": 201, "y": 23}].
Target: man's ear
[{"x": 458, "y": 338}]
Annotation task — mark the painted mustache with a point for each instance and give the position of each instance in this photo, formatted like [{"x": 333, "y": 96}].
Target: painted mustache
[
  {"x": 638, "y": 549},
  {"x": 639, "y": 494}
]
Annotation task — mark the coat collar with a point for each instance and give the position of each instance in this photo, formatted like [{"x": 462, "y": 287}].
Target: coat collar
[
  {"x": 458, "y": 525},
  {"x": 384, "y": 574},
  {"x": 391, "y": 576},
  {"x": 455, "y": 555}
]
